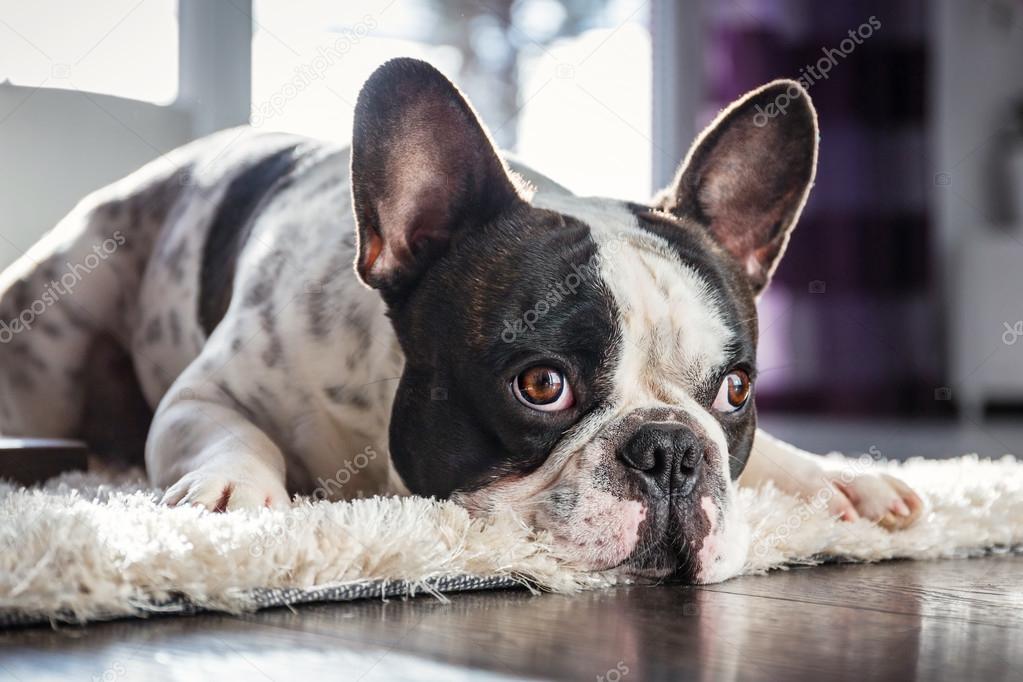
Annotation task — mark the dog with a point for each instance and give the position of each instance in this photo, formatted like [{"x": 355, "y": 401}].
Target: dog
[{"x": 266, "y": 311}]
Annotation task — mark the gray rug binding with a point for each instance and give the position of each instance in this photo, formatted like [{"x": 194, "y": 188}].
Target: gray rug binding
[{"x": 266, "y": 598}]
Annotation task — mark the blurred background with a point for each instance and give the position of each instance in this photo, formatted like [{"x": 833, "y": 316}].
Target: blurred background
[{"x": 896, "y": 318}]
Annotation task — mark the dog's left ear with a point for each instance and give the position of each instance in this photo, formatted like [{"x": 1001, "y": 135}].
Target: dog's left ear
[
  {"x": 423, "y": 168},
  {"x": 747, "y": 176}
]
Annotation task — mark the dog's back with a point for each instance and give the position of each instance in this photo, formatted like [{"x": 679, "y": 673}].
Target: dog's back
[{"x": 100, "y": 317}]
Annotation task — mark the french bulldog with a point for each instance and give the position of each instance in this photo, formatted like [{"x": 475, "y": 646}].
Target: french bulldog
[{"x": 429, "y": 316}]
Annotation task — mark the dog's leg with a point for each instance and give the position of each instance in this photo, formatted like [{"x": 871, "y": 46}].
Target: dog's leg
[
  {"x": 73, "y": 287},
  {"x": 210, "y": 442},
  {"x": 210, "y": 454},
  {"x": 847, "y": 490}
]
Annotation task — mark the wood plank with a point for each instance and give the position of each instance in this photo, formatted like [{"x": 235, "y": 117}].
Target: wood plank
[
  {"x": 950, "y": 620},
  {"x": 956, "y": 590}
]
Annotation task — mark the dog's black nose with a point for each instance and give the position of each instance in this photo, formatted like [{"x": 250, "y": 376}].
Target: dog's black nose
[{"x": 666, "y": 454}]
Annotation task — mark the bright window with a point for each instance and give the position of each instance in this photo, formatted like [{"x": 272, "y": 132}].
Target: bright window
[
  {"x": 114, "y": 47},
  {"x": 580, "y": 104}
]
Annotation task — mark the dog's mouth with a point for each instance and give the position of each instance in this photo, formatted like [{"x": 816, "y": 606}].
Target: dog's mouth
[
  {"x": 651, "y": 503},
  {"x": 671, "y": 540},
  {"x": 689, "y": 539},
  {"x": 678, "y": 538}
]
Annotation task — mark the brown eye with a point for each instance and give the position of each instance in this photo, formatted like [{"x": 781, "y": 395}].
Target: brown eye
[
  {"x": 543, "y": 388},
  {"x": 734, "y": 391}
]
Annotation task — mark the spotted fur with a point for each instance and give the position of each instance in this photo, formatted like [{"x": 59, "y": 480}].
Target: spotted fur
[{"x": 233, "y": 309}]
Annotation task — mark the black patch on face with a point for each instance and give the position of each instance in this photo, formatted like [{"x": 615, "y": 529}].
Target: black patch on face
[
  {"x": 460, "y": 358},
  {"x": 737, "y": 306},
  {"x": 229, "y": 231}
]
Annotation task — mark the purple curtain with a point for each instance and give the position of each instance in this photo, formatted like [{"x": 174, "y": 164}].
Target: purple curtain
[{"x": 852, "y": 323}]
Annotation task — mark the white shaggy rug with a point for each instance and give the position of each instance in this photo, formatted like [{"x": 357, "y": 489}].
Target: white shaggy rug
[{"x": 85, "y": 547}]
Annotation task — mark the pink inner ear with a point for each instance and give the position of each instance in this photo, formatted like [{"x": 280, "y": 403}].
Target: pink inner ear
[
  {"x": 754, "y": 269},
  {"x": 430, "y": 223},
  {"x": 756, "y": 243},
  {"x": 372, "y": 251},
  {"x": 413, "y": 219}
]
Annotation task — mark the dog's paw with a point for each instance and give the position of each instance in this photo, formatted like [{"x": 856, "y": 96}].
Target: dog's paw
[
  {"x": 219, "y": 493},
  {"x": 878, "y": 497}
]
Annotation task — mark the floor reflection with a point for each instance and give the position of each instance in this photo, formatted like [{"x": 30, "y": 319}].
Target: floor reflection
[{"x": 899, "y": 620}]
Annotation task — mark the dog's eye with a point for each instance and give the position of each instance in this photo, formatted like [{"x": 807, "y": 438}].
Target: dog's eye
[
  {"x": 734, "y": 392},
  {"x": 543, "y": 388}
]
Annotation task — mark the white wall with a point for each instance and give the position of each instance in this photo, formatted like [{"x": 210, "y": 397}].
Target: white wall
[
  {"x": 58, "y": 145},
  {"x": 978, "y": 70}
]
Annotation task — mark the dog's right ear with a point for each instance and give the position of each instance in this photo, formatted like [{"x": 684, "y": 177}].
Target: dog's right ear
[
  {"x": 748, "y": 175},
  {"x": 423, "y": 168}
]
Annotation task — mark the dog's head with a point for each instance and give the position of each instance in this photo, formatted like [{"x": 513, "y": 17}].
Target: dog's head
[{"x": 586, "y": 363}]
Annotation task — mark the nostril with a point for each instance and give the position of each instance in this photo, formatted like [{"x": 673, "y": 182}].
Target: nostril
[
  {"x": 658, "y": 457},
  {"x": 654, "y": 450},
  {"x": 640, "y": 458},
  {"x": 689, "y": 458},
  {"x": 688, "y": 461}
]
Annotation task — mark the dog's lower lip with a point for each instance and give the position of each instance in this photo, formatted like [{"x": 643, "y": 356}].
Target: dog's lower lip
[
  {"x": 658, "y": 574},
  {"x": 652, "y": 573}
]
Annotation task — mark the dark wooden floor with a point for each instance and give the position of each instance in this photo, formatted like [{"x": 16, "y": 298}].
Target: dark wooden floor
[{"x": 947, "y": 620}]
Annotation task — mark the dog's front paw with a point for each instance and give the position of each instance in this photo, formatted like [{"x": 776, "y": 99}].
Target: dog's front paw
[
  {"x": 878, "y": 497},
  {"x": 218, "y": 492}
]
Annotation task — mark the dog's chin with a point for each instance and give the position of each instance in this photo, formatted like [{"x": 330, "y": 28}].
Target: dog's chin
[
  {"x": 705, "y": 544},
  {"x": 670, "y": 550}
]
